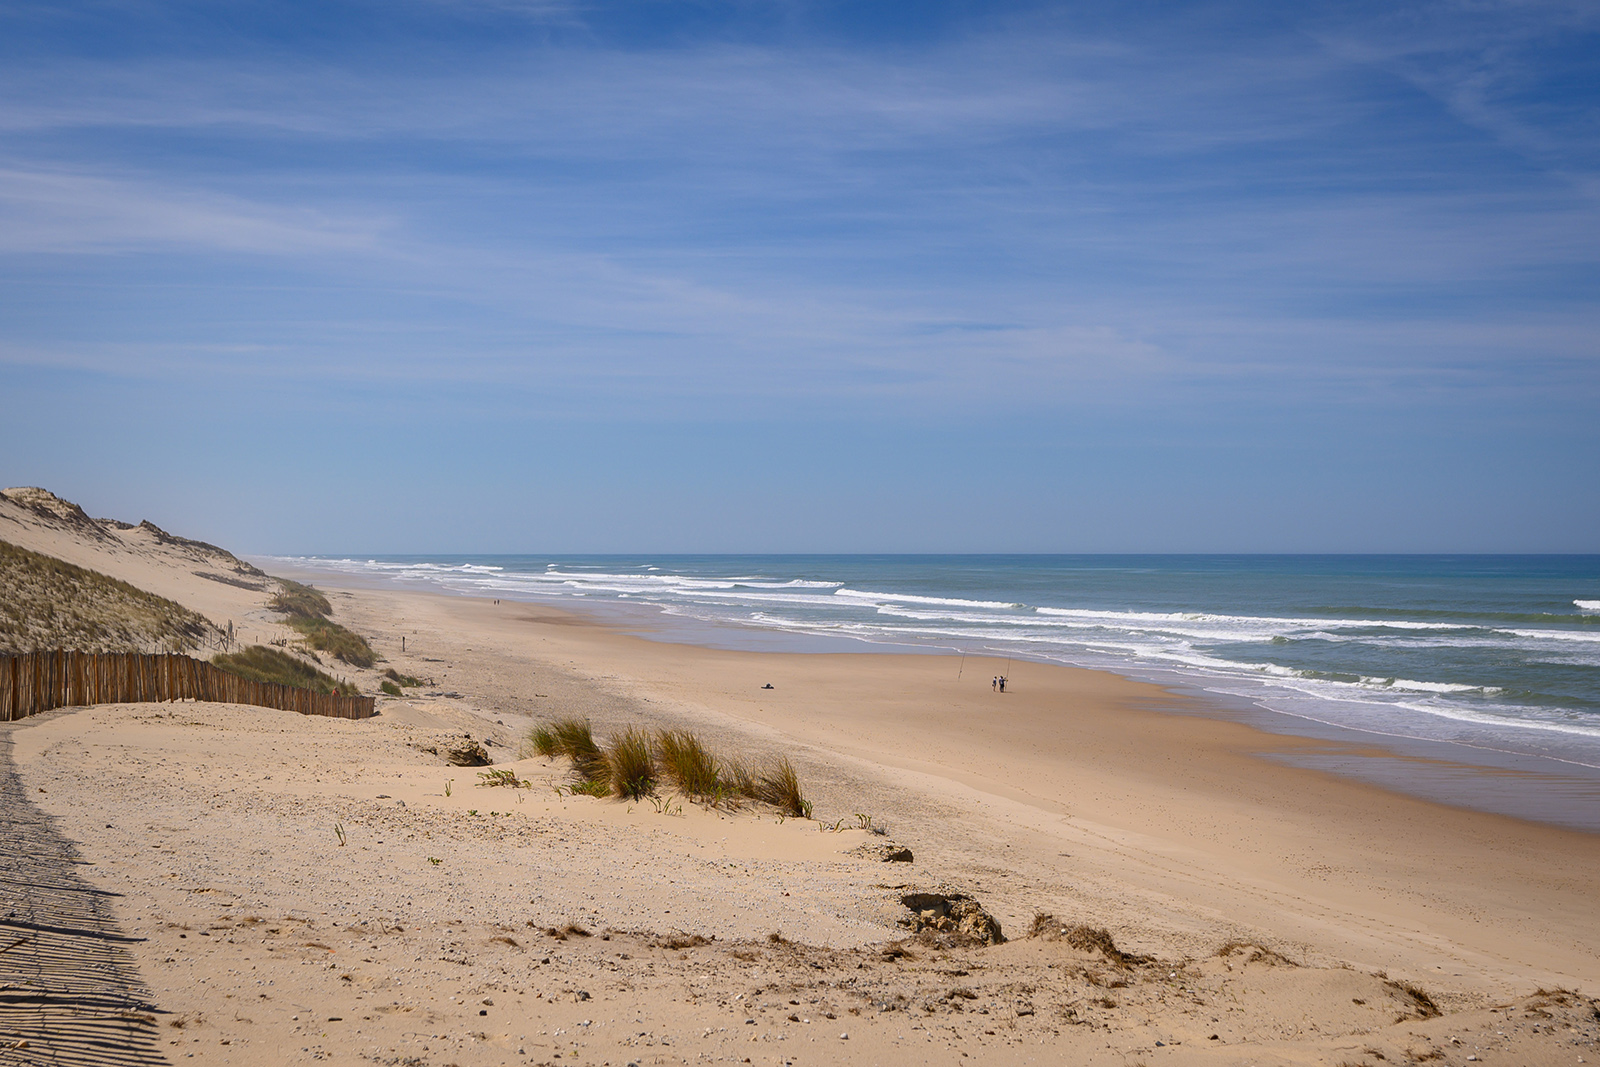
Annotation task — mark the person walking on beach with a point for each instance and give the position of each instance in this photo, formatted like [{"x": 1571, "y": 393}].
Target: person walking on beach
[
  {"x": 994, "y": 683},
  {"x": 1002, "y": 681}
]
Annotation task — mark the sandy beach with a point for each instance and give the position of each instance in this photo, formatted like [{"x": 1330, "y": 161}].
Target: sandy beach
[{"x": 300, "y": 889}]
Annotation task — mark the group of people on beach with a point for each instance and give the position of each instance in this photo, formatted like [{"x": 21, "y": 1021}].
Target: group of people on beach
[{"x": 999, "y": 683}]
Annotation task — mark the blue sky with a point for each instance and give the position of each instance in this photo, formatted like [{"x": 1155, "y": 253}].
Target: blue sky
[{"x": 769, "y": 275}]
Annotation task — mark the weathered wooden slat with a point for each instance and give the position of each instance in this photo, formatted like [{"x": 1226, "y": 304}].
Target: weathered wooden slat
[{"x": 39, "y": 681}]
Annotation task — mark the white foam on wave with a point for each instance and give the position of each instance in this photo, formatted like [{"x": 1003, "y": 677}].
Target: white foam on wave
[
  {"x": 1407, "y": 685},
  {"x": 909, "y": 598},
  {"x": 1587, "y": 605},
  {"x": 1557, "y": 635},
  {"x": 1263, "y": 622}
]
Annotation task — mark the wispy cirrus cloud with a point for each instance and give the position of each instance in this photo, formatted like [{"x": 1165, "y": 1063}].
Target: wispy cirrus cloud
[{"x": 722, "y": 216}]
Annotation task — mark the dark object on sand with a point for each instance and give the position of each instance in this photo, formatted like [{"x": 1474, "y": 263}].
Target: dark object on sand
[
  {"x": 950, "y": 912},
  {"x": 767, "y": 686},
  {"x": 883, "y": 852}
]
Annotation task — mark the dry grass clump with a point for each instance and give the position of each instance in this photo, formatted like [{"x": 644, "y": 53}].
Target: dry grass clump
[
  {"x": 1257, "y": 953},
  {"x": 575, "y": 740},
  {"x": 51, "y": 604},
  {"x": 678, "y": 941},
  {"x": 1421, "y": 1003},
  {"x": 738, "y": 778},
  {"x": 1083, "y": 938},
  {"x": 633, "y": 762}
]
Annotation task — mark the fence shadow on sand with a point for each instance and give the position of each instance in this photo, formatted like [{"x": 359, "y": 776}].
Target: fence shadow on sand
[{"x": 70, "y": 993}]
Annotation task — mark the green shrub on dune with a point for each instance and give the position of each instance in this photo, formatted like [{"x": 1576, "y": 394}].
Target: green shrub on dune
[
  {"x": 327, "y": 636},
  {"x": 262, "y": 664},
  {"x": 300, "y": 601},
  {"x": 308, "y": 612}
]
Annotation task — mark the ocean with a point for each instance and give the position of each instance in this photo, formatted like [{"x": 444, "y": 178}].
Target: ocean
[{"x": 1495, "y": 657}]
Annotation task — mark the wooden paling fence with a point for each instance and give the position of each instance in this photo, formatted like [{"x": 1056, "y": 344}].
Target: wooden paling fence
[{"x": 39, "y": 681}]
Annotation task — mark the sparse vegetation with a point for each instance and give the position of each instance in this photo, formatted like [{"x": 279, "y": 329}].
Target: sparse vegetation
[
  {"x": 328, "y": 636},
  {"x": 1420, "y": 1002},
  {"x": 503, "y": 776},
  {"x": 1255, "y": 953},
  {"x": 262, "y": 664},
  {"x": 631, "y": 764},
  {"x": 542, "y": 740},
  {"x": 51, "y": 604},
  {"x": 779, "y": 786},
  {"x": 389, "y": 687},
  {"x": 633, "y": 761},
  {"x": 308, "y": 612},
  {"x": 686, "y": 762},
  {"x": 1083, "y": 938},
  {"x": 404, "y": 680},
  {"x": 299, "y": 601}
]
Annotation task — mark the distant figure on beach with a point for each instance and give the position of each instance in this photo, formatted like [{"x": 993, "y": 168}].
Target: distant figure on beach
[
  {"x": 994, "y": 683},
  {"x": 1002, "y": 681}
]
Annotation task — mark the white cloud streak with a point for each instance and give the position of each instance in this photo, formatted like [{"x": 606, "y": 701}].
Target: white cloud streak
[{"x": 730, "y": 220}]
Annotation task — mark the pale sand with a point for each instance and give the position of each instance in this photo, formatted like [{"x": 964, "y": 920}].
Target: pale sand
[{"x": 1079, "y": 794}]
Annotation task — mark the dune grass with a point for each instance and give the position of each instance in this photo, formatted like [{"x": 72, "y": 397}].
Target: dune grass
[
  {"x": 632, "y": 763},
  {"x": 308, "y": 612},
  {"x": 686, "y": 762},
  {"x": 575, "y": 740},
  {"x": 263, "y": 664},
  {"x": 299, "y": 601},
  {"x": 325, "y": 635},
  {"x": 389, "y": 687},
  {"x": 47, "y": 603},
  {"x": 542, "y": 740},
  {"x": 779, "y": 786},
  {"x": 397, "y": 678}
]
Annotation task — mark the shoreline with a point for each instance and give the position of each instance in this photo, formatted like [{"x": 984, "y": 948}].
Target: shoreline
[
  {"x": 1540, "y": 789},
  {"x": 1261, "y": 913},
  {"x": 1162, "y": 774}
]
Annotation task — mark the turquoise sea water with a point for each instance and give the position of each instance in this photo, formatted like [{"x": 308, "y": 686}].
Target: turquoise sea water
[{"x": 1499, "y": 653}]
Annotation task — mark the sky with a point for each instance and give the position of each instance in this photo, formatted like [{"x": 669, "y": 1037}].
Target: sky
[{"x": 788, "y": 276}]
